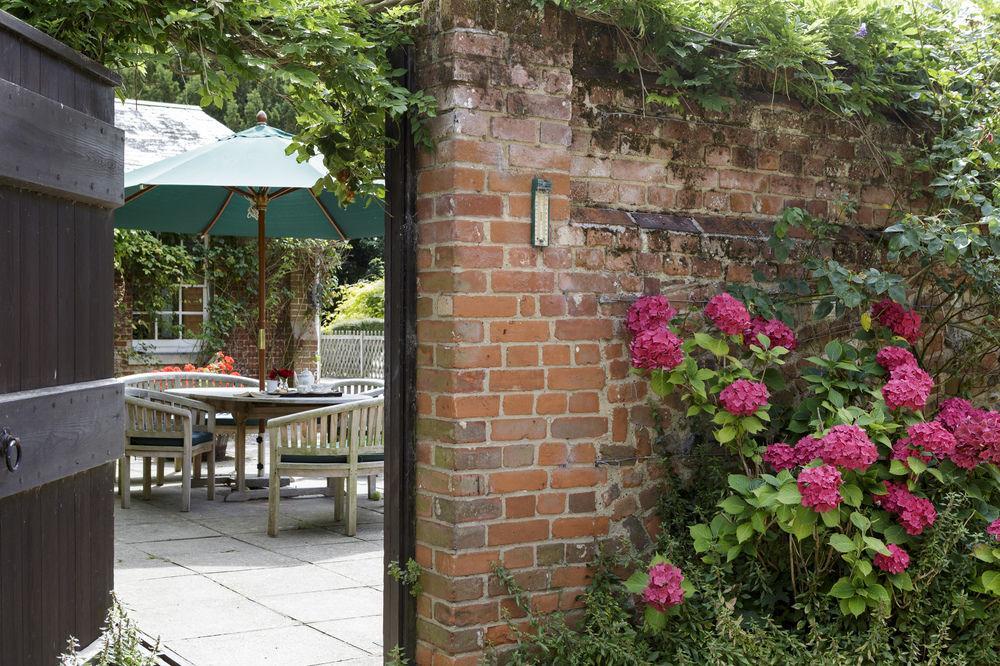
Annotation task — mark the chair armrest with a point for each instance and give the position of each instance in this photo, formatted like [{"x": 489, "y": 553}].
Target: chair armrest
[
  {"x": 160, "y": 396},
  {"x": 158, "y": 406},
  {"x": 319, "y": 413}
]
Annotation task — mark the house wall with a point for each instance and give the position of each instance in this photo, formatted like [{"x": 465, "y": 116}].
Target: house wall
[
  {"x": 533, "y": 441},
  {"x": 293, "y": 336}
]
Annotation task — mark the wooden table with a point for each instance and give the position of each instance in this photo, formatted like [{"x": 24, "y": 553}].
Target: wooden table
[{"x": 244, "y": 404}]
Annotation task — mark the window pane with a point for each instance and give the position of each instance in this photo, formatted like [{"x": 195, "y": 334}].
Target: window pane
[
  {"x": 193, "y": 299},
  {"x": 142, "y": 327},
  {"x": 168, "y": 327},
  {"x": 192, "y": 325}
]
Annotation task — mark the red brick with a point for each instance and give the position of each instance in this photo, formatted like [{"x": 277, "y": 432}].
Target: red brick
[
  {"x": 521, "y": 281},
  {"x": 576, "y": 378},
  {"x": 519, "y": 507},
  {"x": 551, "y": 403},
  {"x": 551, "y": 503},
  {"x": 515, "y": 129},
  {"x": 579, "y": 427},
  {"x": 468, "y": 356},
  {"x": 521, "y": 531},
  {"x": 468, "y": 205},
  {"x": 583, "y": 329},
  {"x": 571, "y": 528},
  {"x": 580, "y": 477},
  {"x": 552, "y": 453},
  {"x": 505, "y": 430},
  {"x": 517, "y": 380},
  {"x": 519, "y": 331},
  {"x": 521, "y": 480},
  {"x": 463, "y": 407},
  {"x": 522, "y": 356},
  {"x": 464, "y": 256},
  {"x": 484, "y": 306}
]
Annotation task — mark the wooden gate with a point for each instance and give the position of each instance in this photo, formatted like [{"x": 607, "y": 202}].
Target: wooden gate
[{"x": 60, "y": 179}]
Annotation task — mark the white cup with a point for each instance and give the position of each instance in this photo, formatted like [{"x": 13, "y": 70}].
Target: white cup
[{"x": 271, "y": 385}]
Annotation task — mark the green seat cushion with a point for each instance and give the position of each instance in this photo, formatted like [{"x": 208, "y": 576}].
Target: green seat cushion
[
  {"x": 364, "y": 457},
  {"x": 197, "y": 437},
  {"x": 226, "y": 419}
]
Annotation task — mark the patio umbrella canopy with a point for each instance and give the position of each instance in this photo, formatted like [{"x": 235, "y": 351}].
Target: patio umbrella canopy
[{"x": 244, "y": 185}]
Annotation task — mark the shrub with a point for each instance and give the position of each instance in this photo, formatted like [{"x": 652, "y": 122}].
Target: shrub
[{"x": 361, "y": 300}]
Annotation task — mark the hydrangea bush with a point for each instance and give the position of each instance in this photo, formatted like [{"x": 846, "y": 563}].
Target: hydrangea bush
[{"x": 845, "y": 459}]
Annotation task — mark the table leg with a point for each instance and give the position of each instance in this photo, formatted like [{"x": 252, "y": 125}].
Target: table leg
[
  {"x": 241, "y": 451},
  {"x": 260, "y": 448}
]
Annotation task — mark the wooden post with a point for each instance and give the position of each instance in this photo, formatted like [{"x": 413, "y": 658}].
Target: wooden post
[{"x": 261, "y": 204}]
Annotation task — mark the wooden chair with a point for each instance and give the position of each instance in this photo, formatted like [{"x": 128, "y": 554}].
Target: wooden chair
[
  {"x": 225, "y": 424},
  {"x": 355, "y": 386},
  {"x": 361, "y": 386},
  {"x": 161, "y": 425},
  {"x": 338, "y": 443}
]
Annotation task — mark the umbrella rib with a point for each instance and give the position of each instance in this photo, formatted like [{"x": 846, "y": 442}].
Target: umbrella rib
[
  {"x": 281, "y": 193},
  {"x": 218, "y": 214},
  {"x": 329, "y": 217},
  {"x": 136, "y": 195},
  {"x": 248, "y": 195}
]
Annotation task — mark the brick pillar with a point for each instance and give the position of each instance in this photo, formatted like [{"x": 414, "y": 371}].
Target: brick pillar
[{"x": 509, "y": 368}]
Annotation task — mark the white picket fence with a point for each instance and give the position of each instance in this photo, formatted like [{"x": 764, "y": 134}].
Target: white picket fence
[{"x": 352, "y": 354}]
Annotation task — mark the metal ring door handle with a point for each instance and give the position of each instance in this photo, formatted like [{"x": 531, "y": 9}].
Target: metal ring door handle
[{"x": 10, "y": 447}]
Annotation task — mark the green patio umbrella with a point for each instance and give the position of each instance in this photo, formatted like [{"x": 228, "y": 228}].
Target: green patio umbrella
[{"x": 244, "y": 185}]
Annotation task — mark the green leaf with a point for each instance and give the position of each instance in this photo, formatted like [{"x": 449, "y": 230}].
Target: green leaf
[
  {"x": 833, "y": 350},
  {"x": 744, "y": 531},
  {"x": 877, "y": 545},
  {"x": 878, "y": 592},
  {"x": 700, "y": 531},
  {"x": 852, "y": 494},
  {"x": 789, "y": 494},
  {"x": 725, "y": 435},
  {"x": 897, "y": 468},
  {"x": 739, "y": 483},
  {"x": 733, "y": 505},
  {"x": 831, "y": 518},
  {"x": 991, "y": 582},
  {"x": 860, "y": 521},
  {"x": 916, "y": 464},
  {"x": 637, "y": 582},
  {"x": 842, "y": 543},
  {"x": 856, "y": 605},
  {"x": 655, "y": 620},
  {"x": 902, "y": 581},
  {"x": 842, "y": 589},
  {"x": 660, "y": 384}
]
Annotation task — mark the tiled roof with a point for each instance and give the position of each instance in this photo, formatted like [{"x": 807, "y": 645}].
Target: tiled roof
[{"x": 155, "y": 130}]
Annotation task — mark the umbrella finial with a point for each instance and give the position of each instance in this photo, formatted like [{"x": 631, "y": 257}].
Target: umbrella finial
[{"x": 261, "y": 118}]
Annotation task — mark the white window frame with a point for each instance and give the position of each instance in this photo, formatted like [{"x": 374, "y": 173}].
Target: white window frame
[{"x": 180, "y": 345}]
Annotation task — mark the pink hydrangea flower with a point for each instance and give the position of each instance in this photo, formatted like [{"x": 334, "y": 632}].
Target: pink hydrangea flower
[
  {"x": 931, "y": 437},
  {"x": 908, "y": 386},
  {"x": 807, "y": 449},
  {"x": 743, "y": 397},
  {"x": 954, "y": 411},
  {"x": 993, "y": 529},
  {"x": 914, "y": 513},
  {"x": 664, "y": 589},
  {"x": 776, "y": 331},
  {"x": 892, "y": 357},
  {"x": 820, "y": 488},
  {"x": 902, "y": 322},
  {"x": 649, "y": 312},
  {"x": 903, "y": 449},
  {"x": 977, "y": 440},
  {"x": 728, "y": 314},
  {"x": 847, "y": 446},
  {"x": 896, "y": 562},
  {"x": 908, "y": 327},
  {"x": 657, "y": 348},
  {"x": 887, "y": 312},
  {"x": 781, "y": 456}
]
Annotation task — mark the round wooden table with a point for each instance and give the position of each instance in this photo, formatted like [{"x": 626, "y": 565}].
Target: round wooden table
[{"x": 245, "y": 404}]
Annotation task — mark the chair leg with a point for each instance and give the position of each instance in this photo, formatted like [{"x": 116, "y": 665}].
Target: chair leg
[
  {"x": 211, "y": 475},
  {"x": 147, "y": 485},
  {"x": 339, "y": 498},
  {"x": 125, "y": 480},
  {"x": 177, "y": 464},
  {"x": 159, "y": 471},
  {"x": 352, "y": 505},
  {"x": 372, "y": 489},
  {"x": 197, "y": 465},
  {"x": 331, "y": 489},
  {"x": 186, "y": 464},
  {"x": 273, "y": 497}
]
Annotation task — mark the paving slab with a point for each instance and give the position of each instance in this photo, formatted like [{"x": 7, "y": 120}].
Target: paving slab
[
  {"x": 362, "y": 632},
  {"x": 312, "y": 607},
  {"x": 286, "y": 646}
]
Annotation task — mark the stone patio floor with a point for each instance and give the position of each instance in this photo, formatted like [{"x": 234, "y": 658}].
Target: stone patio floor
[{"x": 218, "y": 591}]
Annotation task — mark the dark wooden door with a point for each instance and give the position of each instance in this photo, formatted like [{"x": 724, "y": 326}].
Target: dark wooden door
[{"x": 60, "y": 179}]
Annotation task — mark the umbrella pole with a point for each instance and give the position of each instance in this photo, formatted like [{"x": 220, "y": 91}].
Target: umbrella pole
[{"x": 261, "y": 305}]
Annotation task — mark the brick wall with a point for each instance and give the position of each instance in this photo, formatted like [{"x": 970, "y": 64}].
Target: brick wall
[{"x": 533, "y": 439}]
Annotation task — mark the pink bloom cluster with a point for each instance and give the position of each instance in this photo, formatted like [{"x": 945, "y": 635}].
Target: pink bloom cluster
[
  {"x": 847, "y": 446},
  {"x": 743, "y": 397},
  {"x": 781, "y": 456},
  {"x": 954, "y": 411},
  {"x": 902, "y": 322},
  {"x": 820, "y": 488},
  {"x": 892, "y": 357},
  {"x": 903, "y": 449},
  {"x": 908, "y": 386},
  {"x": 931, "y": 437},
  {"x": 728, "y": 314},
  {"x": 664, "y": 589},
  {"x": 978, "y": 440},
  {"x": 915, "y": 514},
  {"x": 808, "y": 449},
  {"x": 776, "y": 331},
  {"x": 993, "y": 529},
  {"x": 896, "y": 562},
  {"x": 656, "y": 348},
  {"x": 649, "y": 312}
]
